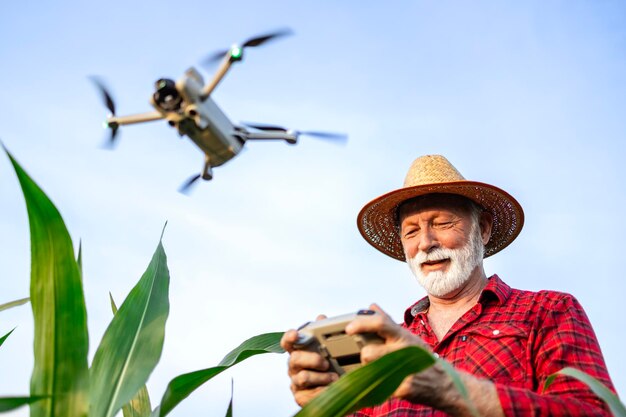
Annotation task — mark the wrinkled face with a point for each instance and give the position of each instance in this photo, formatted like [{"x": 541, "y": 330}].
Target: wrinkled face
[{"x": 443, "y": 239}]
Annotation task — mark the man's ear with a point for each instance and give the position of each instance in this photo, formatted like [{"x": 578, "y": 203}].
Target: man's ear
[{"x": 486, "y": 223}]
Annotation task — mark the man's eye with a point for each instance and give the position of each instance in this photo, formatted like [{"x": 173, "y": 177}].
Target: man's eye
[
  {"x": 410, "y": 232},
  {"x": 442, "y": 225}
]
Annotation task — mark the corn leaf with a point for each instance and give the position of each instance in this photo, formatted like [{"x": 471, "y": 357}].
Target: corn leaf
[
  {"x": 139, "y": 406},
  {"x": 113, "y": 305},
  {"x": 11, "y": 403},
  {"x": 15, "y": 303},
  {"x": 368, "y": 385},
  {"x": 598, "y": 388},
  {"x": 229, "y": 411},
  {"x": 133, "y": 342},
  {"x": 182, "y": 386},
  {"x": 79, "y": 258},
  {"x": 61, "y": 342},
  {"x": 3, "y": 338}
]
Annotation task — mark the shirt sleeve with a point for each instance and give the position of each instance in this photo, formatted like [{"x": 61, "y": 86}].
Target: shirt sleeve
[{"x": 565, "y": 338}]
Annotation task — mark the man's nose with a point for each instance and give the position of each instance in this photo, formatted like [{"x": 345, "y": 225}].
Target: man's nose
[{"x": 428, "y": 240}]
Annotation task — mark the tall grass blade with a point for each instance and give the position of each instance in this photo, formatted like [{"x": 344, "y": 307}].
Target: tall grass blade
[
  {"x": 3, "y": 338},
  {"x": 15, "y": 303},
  {"x": 369, "y": 385},
  {"x": 182, "y": 386},
  {"x": 139, "y": 406},
  {"x": 598, "y": 388},
  {"x": 133, "y": 342},
  {"x": 61, "y": 342},
  {"x": 11, "y": 403}
]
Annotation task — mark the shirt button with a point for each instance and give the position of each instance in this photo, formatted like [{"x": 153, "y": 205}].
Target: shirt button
[{"x": 496, "y": 332}]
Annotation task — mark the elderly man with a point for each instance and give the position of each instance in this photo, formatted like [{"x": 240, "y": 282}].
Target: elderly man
[{"x": 504, "y": 342}]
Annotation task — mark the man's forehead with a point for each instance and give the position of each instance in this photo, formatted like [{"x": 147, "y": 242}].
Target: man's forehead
[{"x": 449, "y": 202}]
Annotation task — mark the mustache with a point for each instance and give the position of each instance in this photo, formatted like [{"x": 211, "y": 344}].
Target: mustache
[{"x": 437, "y": 254}]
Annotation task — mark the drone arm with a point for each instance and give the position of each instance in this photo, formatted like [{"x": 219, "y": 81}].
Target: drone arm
[
  {"x": 221, "y": 72},
  {"x": 135, "y": 118},
  {"x": 271, "y": 135}
]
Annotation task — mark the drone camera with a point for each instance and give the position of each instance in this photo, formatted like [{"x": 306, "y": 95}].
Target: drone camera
[{"x": 167, "y": 96}]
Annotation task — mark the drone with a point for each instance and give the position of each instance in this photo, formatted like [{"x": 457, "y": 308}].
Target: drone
[{"x": 188, "y": 107}]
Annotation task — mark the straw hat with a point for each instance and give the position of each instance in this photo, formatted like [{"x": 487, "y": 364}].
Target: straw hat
[{"x": 378, "y": 221}]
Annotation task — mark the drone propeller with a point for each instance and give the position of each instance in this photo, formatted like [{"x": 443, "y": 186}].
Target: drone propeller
[
  {"x": 335, "y": 137},
  {"x": 236, "y": 51},
  {"x": 259, "y": 40},
  {"x": 110, "y": 105},
  {"x": 265, "y": 127},
  {"x": 186, "y": 187}
]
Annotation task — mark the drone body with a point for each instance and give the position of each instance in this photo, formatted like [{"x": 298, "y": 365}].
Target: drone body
[{"x": 187, "y": 106}]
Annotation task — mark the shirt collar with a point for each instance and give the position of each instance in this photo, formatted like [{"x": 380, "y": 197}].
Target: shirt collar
[{"x": 495, "y": 290}]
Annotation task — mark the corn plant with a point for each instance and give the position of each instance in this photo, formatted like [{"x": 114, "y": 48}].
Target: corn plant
[{"x": 62, "y": 383}]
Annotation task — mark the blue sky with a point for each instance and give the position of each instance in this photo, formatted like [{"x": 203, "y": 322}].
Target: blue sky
[{"x": 527, "y": 96}]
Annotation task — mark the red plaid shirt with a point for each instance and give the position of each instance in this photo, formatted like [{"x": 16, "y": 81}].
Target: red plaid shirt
[{"x": 516, "y": 339}]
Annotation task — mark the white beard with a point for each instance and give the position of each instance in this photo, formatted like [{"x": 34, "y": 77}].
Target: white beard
[{"x": 462, "y": 263}]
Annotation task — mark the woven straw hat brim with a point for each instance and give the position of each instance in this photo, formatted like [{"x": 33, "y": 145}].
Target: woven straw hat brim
[{"x": 377, "y": 221}]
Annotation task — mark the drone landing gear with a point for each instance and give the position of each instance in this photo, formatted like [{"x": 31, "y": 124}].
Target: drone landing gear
[{"x": 207, "y": 172}]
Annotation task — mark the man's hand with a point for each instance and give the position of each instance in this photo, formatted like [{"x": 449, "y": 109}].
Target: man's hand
[
  {"x": 394, "y": 335},
  {"x": 308, "y": 370},
  {"x": 427, "y": 387}
]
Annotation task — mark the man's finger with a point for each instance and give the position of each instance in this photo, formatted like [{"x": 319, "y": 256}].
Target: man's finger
[
  {"x": 302, "y": 397},
  {"x": 289, "y": 338},
  {"x": 371, "y": 352},
  {"x": 375, "y": 323},
  {"x": 311, "y": 379},
  {"x": 303, "y": 359},
  {"x": 379, "y": 310}
]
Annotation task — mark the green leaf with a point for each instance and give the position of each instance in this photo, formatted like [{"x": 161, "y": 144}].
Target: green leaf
[
  {"x": 15, "y": 303},
  {"x": 113, "y": 305},
  {"x": 11, "y": 403},
  {"x": 182, "y": 386},
  {"x": 79, "y": 258},
  {"x": 229, "y": 411},
  {"x": 598, "y": 388},
  {"x": 3, "y": 338},
  {"x": 368, "y": 385},
  {"x": 133, "y": 342},
  {"x": 61, "y": 341},
  {"x": 140, "y": 405}
]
